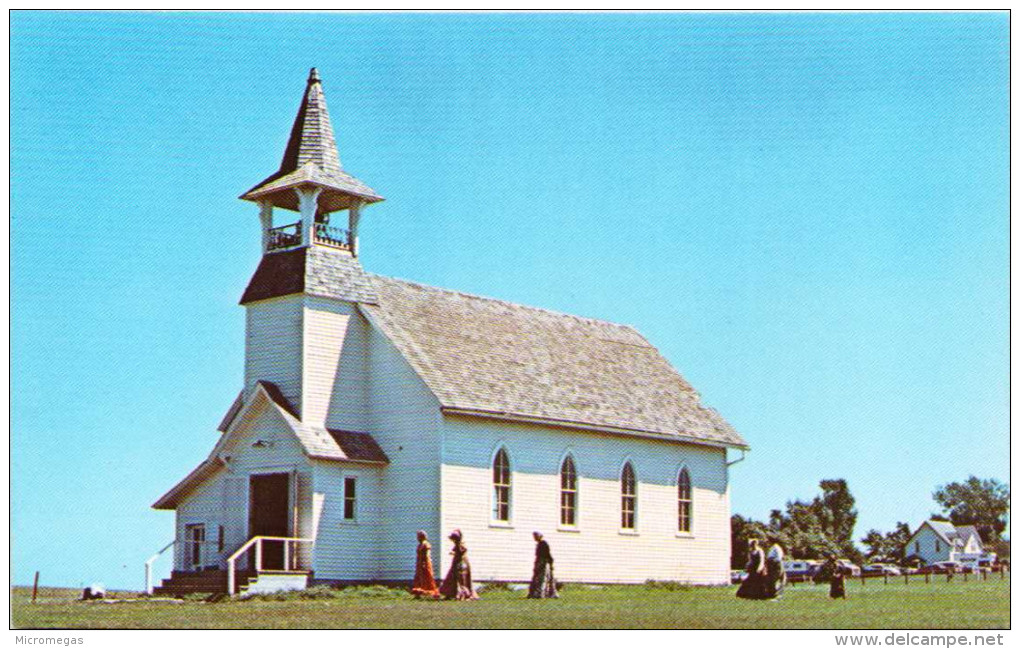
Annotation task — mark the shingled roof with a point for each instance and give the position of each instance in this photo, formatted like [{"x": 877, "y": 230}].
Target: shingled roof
[
  {"x": 311, "y": 158},
  {"x": 488, "y": 357},
  {"x": 316, "y": 270}
]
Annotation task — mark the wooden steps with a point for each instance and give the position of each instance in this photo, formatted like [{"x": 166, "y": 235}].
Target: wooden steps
[
  {"x": 275, "y": 581},
  {"x": 203, "y": 581},
  {"x": 214, "y": 582}
]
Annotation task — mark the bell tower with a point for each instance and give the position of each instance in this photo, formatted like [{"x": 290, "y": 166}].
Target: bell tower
[
  {"x": 311, "y": 182},
  {"x": 303, "y": 327}
]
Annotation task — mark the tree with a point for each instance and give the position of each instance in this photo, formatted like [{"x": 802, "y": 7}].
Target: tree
[
  {"x": 835, "y": 511},
  {"x": 806, "y": 530},
  {"x": 875, "y": 542},
  {"x": 742, "y": 530},
  {"x": 981, "y": 503},
  {"x": 1002, "y": 549},
  {"x": 889, "y": 546}
]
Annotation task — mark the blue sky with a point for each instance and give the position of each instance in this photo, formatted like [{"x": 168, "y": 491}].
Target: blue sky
[{"x": 807, "y": 214}]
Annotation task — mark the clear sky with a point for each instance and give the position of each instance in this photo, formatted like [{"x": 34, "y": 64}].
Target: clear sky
[{"x": 807, "y": 214}]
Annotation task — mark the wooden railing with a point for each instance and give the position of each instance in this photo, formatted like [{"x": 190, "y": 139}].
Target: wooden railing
[
  {"x": 289, "y": 557},
  {"x": 152, "y": 560},
  {"x": 284, "y": 236},
  {"x": 332, "y": 236},
  {"x": 187, "y": 543}
]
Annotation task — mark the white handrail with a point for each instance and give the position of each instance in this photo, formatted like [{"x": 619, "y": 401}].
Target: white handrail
[
  {"x": 257, "y": 542},
  {"x": 151, "y": 560},
  {"x": 149, "y": 587}
]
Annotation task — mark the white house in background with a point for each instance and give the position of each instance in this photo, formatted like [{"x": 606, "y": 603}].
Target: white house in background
[
  {"x": 373, "y": 407},
  {"x": 942, "y": 541}
]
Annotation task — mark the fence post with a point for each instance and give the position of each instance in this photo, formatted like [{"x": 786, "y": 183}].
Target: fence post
[
  {"x": 926, "y": 578},
  {"x": 885, "y": 578},
  {"x": 906, "y": 578},
  {"x": 35, "y": 586},
  {"x": 965, "y": 576},
  {"x": 258, "y": 555}
]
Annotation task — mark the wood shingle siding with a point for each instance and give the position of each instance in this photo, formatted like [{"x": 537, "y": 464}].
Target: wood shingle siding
[
  {"x": 311, "y": 157},
  {"x": 491, "y": 357}
]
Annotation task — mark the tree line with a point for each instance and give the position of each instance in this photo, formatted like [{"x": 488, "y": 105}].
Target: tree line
[{"x": 824, "y": 526}]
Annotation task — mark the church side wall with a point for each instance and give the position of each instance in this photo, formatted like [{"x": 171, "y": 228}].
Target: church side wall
[
  {"x": 405, "y": 421},
  {"x": 346, "y": 549},
  {"x": 597, "y": 550},
  {"x": 273, "y": 337}
]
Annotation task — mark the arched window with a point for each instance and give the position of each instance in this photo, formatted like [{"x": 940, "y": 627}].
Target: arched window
[
  {"x": 628, "y": 497},
  {"x": 568, "y": 492},
  {"x": 501, "y": 486},
  {"x": 683, "y": 501}
]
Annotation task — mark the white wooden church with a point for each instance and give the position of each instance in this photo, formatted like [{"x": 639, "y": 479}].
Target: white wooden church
[{"x": 373, "y": 407}]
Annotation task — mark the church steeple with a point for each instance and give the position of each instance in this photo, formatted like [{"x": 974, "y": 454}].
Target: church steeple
[{"x": 311, "y": 181}]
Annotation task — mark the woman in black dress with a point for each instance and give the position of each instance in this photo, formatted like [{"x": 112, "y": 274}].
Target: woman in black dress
[
  {"x": 754, "y": 585},
  {"x": 543, "y": 583},
  {"x": 837, "y": 584}
]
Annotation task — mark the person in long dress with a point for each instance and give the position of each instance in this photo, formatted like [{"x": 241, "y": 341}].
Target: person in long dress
[
  {"x": 753, "y": 586},
  {"x": 457, "y": 584},
  {"x": 543, "y": 583},
  {"x": 776, "y": 574},
  {"x": 424, "y": 580},
  {"x": 837, "y": 584}
]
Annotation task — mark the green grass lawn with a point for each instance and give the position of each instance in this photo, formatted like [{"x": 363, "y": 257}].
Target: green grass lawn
[{"x": 975, "y": 604}]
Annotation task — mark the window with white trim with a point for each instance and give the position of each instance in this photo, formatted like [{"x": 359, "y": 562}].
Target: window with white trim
[
  {"x": 683, "y": 501},
  {"x": 350, "y": 498},
  {"x": 568, "y": 492},
  {"x": 501, "y": 486},
  {"x": 628, "y": 497}
]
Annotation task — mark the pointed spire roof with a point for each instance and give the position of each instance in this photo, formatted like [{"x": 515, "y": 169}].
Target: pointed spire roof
[{"x": 311, "y": 158}]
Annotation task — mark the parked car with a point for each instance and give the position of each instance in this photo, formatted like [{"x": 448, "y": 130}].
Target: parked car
[
  {"x": 940, "y": 568},
  {"x": 802, "y": 570},
  {"x": 737, "y": 576},
  {"x": 881, "y": 569},
  {"x": 854, "y": 569}
]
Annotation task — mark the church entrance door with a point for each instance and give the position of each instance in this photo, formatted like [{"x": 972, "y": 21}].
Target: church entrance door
[{"x": 270, "y": 507}]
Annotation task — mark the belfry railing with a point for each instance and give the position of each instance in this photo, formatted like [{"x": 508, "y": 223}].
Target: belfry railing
[
  {"x": 289, "y": 236},
  {"x": 285, "y": 236},
  {"x": 332, "y": 236}
]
